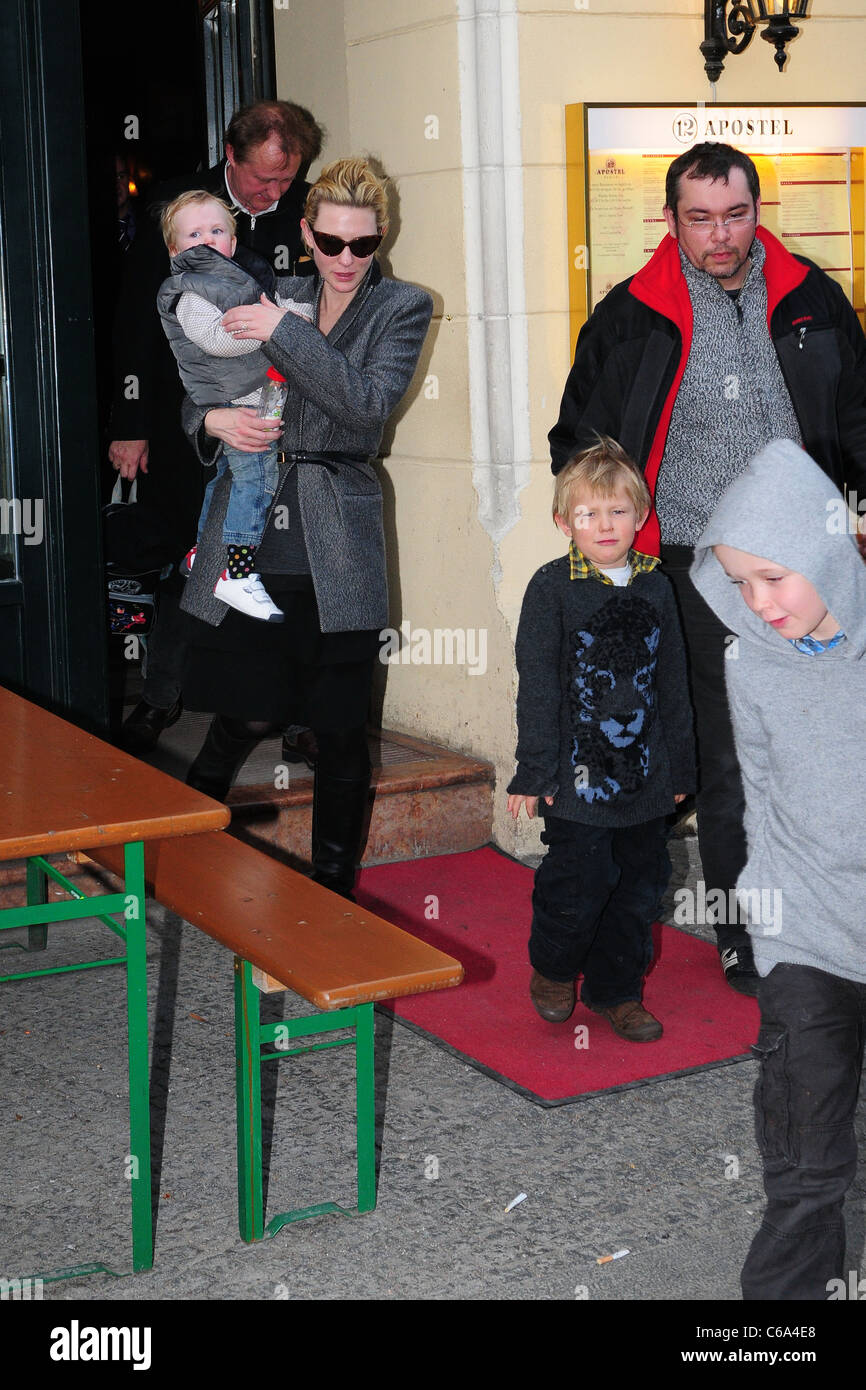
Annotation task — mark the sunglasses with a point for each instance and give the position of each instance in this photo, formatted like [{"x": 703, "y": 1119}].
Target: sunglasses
[{"x": 360, "y": 246}]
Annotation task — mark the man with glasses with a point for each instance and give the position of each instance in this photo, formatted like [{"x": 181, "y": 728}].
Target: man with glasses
[{"x": 722, "y": 342}]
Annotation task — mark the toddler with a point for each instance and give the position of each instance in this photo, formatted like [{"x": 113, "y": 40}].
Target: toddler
[{"x": 218, "y": 369}]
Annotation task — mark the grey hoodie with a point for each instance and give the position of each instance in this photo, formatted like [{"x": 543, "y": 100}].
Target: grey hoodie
[{"x": 799, "y": 720}]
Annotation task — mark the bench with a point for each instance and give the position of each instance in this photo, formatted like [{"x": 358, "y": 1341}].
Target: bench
[{"x": 287, "y": 932}]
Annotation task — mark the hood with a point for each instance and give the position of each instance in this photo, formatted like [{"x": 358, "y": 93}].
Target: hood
[
  {"x": 785, "y": 509},
  {"x": 234, "y": 269},
  {"x": 199, "y": 258}
]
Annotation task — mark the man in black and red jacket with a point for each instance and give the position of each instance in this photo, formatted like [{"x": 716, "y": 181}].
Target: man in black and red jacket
[{"x": 722, "y": 342}]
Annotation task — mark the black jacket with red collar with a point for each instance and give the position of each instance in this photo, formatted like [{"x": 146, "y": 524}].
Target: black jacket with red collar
[{"x": 632, "y": 353}]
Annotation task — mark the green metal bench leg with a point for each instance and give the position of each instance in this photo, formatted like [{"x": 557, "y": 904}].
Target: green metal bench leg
[
  {"x": 139, "y": 1086},
  {"x": 249, "y": 1103},
  {"x": 365, "y": 1107},
  {"x": 250, "y": 1035},
  {"x": 37, "y": 892}
]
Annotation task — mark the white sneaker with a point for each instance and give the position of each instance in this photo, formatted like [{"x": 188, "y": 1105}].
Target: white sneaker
[
  {"x": 187, "y": 562},
  {"x": 249, "y": 596}
]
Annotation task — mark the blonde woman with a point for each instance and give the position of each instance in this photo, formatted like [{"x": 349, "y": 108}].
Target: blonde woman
[{"x": 322, "y": 556}]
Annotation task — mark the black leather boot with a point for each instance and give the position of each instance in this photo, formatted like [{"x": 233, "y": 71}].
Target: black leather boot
[
  {"x": 339, "y": 813},
  {"x": 142, "y": 729},
  {"x": 223, "y": 753},
  {"x": 299, "y": 746}
]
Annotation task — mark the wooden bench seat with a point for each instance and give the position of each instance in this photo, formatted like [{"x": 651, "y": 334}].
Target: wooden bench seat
[{"x": 330, "y": 951}]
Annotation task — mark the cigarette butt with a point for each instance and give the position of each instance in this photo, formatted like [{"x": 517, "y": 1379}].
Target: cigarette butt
[
  {"x": 521, "y": 1197},
  {"x": 606, "y": 1259}
]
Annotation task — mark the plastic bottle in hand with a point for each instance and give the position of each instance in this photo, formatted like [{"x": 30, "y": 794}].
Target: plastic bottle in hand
[{"x": 273, "y": 397}]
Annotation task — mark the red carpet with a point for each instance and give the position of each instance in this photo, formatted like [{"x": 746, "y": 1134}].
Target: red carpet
[{"x": 483, "y": 905}]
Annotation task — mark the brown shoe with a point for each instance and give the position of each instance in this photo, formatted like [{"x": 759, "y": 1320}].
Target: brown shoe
[
  {"x": 632, "y": 1022},
  {"x": 553, "y": 1000}
]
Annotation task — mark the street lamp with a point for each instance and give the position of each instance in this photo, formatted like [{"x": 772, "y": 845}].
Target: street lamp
[{"x": 729, "y": 28}]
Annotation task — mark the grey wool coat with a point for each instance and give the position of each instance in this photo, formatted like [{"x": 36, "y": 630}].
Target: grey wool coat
[{"x": 342, "y": 389}]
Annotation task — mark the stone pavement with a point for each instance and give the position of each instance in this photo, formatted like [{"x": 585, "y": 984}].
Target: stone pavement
[{"x": 668, "y": 1171}]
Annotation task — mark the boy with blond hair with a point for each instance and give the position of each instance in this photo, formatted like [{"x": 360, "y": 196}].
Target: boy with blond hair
[{"x": 604, "y": 745}]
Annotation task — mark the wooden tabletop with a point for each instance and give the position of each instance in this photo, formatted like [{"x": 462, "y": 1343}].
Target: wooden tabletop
[{"x": 62, "y": 789}]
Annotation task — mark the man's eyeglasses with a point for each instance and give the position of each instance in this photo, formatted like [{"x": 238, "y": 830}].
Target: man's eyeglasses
[
  {"x": 360, "y": 246},
  {"x": 706, "y": 224}
]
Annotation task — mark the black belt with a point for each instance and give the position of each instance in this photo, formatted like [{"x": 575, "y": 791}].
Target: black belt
[{"x": 329, "y": 460}]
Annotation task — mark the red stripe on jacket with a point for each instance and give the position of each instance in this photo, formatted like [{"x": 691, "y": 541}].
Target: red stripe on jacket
[{"x": 662, "y": 286}]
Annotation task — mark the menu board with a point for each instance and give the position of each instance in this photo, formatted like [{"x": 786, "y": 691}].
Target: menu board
[
  {"x": 626, "y": 223},
  {"x": 806, "y": 202}
]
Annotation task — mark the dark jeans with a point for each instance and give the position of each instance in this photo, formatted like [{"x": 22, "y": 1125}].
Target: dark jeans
[
  {"x": 720, "y": 803},
  {"x": 811, "y": 1050},
  {"x": 596, "y": 895}
]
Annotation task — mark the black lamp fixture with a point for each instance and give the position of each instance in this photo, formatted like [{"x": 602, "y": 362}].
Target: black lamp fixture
[{"x": 729, "y": 28}]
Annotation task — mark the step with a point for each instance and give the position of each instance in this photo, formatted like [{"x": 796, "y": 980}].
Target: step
[{"x": 428, "y": 799}]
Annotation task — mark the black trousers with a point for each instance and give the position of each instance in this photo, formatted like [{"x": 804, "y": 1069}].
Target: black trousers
[
  {"x": 720, "y": 802},
  {"x": 813, "y": 1026},
  {"x": 596, "y": 895},
  {"x": 166, "y": 648}
]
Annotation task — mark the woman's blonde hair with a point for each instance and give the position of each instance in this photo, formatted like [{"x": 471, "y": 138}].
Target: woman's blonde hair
[
  {"x": 601, "y": 469},
  {"x": 348, "y": 183},
  {"x": 168, "y": 217}
]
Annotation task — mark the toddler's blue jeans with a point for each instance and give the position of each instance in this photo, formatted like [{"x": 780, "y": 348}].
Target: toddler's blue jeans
[{"x": 254, "y": 481}]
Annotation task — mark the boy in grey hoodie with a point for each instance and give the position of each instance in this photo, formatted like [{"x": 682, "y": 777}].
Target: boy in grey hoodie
[{"x": 782, "y": 539}]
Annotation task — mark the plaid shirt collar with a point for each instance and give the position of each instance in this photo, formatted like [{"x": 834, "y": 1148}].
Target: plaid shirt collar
[{"x": 581, "y": 568}]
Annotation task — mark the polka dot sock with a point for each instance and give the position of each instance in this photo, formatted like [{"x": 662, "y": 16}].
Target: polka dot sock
[{"x": 241, "y": 561}]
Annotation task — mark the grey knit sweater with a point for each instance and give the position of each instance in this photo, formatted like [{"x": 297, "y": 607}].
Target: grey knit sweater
[
  {"x": 799, "y": 720},
  {"x": 732, "y": 400}
]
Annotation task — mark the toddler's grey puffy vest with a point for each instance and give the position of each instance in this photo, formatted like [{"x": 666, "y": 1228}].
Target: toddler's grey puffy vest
[{"x": 211, "y": 380}]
